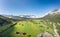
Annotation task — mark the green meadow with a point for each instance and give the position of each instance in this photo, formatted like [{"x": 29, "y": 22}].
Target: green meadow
[{"x": 30, "y": 27}]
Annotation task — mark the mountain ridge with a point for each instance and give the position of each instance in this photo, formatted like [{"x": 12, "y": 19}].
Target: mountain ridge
[{"x": 55, "y": 14}]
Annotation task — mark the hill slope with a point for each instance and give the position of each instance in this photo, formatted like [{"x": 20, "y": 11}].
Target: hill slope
[
  {"x": 54, "y": 16},
  {"x": 4, "y": 20}
]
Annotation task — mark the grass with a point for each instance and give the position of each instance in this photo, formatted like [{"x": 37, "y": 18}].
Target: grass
[
  {"x": 4, "y": 27},
  {"x": 32, "y": 28},
  {"x": 58, "y": 28}
]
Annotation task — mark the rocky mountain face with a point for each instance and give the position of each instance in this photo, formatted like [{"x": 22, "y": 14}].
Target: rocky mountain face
[{"x": 53, "y": 15}]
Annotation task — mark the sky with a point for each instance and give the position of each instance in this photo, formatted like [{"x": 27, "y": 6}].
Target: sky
[{"x": 28, "y": 7}]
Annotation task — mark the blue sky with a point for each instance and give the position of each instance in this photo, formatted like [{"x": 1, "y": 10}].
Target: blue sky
[{"x": 28, "y": 7}]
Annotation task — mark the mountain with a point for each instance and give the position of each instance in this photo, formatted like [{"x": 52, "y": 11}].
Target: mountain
[
  {"x": 4, "y": 20},
  {"x": 29, "y": 16},
  {"x": 21, "y": 17},
  {"x": 53, "y": 15},
  {"x": 11, "y": 16}
]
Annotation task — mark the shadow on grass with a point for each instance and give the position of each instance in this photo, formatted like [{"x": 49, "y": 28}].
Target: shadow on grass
[{"x": 6, "y": 32}]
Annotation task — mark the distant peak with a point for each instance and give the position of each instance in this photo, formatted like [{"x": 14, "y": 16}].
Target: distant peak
[{"x": 56, "y": 11}]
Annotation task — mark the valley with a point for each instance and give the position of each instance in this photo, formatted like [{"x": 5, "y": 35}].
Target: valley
[{"x": 30, "y": 26}]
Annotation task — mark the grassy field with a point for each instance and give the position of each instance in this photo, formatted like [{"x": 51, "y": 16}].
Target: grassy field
[
  {"x": 30, "y": 27},
  {"x": 58, "y": 28}
]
